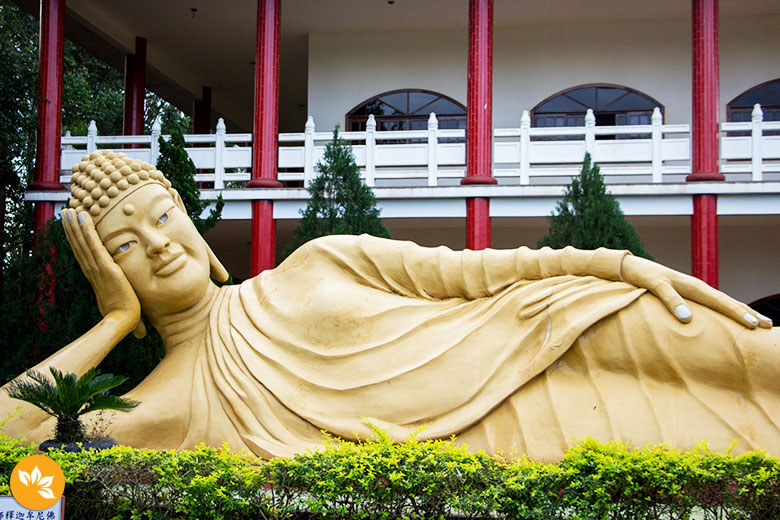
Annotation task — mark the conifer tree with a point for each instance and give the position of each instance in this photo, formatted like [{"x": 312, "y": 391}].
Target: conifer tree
[
  {"x": 589, "y": 217},
  {"x": 340, "y": 203},
  {"x": 177, "y": 166}
]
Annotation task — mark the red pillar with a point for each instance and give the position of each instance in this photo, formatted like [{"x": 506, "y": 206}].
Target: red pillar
[
  {"x": 479, "y": 129},
  {"x": 263, "y": 227},
  {"x": 265, "y": 132},
  {"x": 47, "y": 162},
  {"x": 135, "y": 89},
  {"x": 704, "y": 238},
  {"x": 705, "y": 139}
]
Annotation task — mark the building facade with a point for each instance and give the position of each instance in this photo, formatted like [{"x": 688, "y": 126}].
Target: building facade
[{"x": 672, "y": 89}]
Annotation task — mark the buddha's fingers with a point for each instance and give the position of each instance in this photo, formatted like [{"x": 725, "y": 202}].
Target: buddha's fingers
[
  {"x": 764, "y": 322},
  {"x": 672, "y": 300},
  {"x": 111, "y": 287},
  {"x": 78, "y": 243},
  {"x": 97, "y": 251},
  {"x": 701, "y": 293}
]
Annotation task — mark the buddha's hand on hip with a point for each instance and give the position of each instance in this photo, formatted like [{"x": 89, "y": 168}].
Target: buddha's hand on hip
[
  {"x": 115, "y": 296},
  {"x": 673, "y": 288}
]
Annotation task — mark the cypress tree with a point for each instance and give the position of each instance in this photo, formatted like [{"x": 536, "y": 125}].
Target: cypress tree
[
  {"x": 340, "y": 203},
  {"x": 589, "y": 217},
  {"x": 177, "y": 166}
]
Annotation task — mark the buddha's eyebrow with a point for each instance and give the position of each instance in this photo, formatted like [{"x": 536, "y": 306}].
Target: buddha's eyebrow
[
  {"x": 151, "y": 203},
  {"x": 115, "y": 233}
]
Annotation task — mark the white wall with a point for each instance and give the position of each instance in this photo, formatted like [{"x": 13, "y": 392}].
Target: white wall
[
  {"x": 534, "y": 62},
  {"x": 749, "y": 49},
  {"x": 348, "y": 68}
]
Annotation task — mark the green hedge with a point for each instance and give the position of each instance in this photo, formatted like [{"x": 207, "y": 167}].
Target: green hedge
[{"x": 381, "y": 479}]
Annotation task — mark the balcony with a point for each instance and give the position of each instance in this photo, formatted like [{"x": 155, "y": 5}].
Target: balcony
[{"x": 641, "y": 163}]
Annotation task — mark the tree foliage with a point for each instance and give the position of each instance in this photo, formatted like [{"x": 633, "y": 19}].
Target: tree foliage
[
  {"x": 589, "y": 217},
  {"x": 18, "y": 80},
  {"x": 36, "y": 324},
  {"x": 69, "y": 397},
  {"x": 177, "y": 166},
  {"x": 91, "y": 91},
  {"x": 340, "y": 203}
]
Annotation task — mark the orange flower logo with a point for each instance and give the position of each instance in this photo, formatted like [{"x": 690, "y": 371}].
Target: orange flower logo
[{"x": 37, "y": 482}]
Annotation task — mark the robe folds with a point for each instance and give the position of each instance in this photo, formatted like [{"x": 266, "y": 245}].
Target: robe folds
[{"x": 510, "y": 350}]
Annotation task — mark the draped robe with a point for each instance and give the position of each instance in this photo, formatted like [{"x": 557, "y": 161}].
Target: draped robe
[{"x": 513, "y": 350}]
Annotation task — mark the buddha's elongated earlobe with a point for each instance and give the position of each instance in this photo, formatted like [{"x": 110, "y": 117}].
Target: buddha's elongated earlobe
[
  {"x": 140, "y": 330},
  {"x": 217, "y": 270}
]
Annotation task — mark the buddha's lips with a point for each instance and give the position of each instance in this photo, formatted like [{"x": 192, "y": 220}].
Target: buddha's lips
[{"x": 171, "y": 264}]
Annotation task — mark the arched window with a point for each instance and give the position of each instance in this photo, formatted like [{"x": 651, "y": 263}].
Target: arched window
[
  {"x": 407, "y": 109},
  {"x": 766, "y": 94},
  {"x": 612, "y": 105}
]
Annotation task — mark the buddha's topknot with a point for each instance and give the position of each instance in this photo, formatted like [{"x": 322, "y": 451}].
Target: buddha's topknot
[{"x": 103, "y": 178}]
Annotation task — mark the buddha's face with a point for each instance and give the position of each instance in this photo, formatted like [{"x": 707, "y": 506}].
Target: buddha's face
[{"x": 158, "y": 248}]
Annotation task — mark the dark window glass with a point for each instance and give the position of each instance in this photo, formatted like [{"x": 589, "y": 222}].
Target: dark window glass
[
  {"x": 766, "y": 94},
  {"x": 408, "y": 109},
  {"x": 399, "y": 102},
  {"x": 383, "y": 109},
  {"x": 629, "y": 102},
  {"x": 740, "y": 109},
  {"x": 612, "y": 105},
  {"x": 420, "y": 101},
  {"x": 442, "y": 106},
  {"x": 586, "y": 96},
  {"x": 562, "y": 104},
  {"x": 607, "y": 95}
]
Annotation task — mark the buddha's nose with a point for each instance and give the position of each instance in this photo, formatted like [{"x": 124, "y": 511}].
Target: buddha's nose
[{"x": 156, "y": 243}]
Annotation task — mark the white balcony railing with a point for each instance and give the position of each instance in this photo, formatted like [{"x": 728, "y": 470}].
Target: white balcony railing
[{"x": 654, "y": 153}]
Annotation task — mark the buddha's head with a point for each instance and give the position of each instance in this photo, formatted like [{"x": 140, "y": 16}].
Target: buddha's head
[{"x": 144, "y": 226}]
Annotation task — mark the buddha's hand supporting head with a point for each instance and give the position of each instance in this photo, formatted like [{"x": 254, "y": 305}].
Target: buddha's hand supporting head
[
  {"x": 115, "y": 296},
  {"x": 134, "y": 240}
]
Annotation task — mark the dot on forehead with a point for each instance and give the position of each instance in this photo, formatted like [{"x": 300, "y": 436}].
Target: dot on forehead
[{"x": 128, "y": 209}]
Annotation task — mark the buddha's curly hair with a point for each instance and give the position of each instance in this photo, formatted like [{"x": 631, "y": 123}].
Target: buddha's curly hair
[{"x": 103, "y": 178}]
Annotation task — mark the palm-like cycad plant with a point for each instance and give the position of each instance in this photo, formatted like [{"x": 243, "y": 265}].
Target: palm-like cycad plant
[{"x": 70, "y": 397}]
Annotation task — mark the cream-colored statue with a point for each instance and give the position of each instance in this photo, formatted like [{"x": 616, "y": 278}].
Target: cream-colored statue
[{"x": 515, "y": 349}]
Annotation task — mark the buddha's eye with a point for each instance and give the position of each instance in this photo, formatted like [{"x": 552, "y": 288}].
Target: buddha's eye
[
  {"x": 124, "y": 247},
  {"x": 163, "y": 218}
]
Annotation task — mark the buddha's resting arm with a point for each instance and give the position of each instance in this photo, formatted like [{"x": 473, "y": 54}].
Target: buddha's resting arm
[
  {"x": 118, "y": 303},
  {"x": 441, "y": 273},
  {"x": 79, "y": 356}
]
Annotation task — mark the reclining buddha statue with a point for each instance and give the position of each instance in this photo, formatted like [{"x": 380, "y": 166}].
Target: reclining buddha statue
[{"x": 518, "y": 350}]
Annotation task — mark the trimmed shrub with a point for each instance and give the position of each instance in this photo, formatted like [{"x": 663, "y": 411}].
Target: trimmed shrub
[{"x": 382, "y": 479}]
